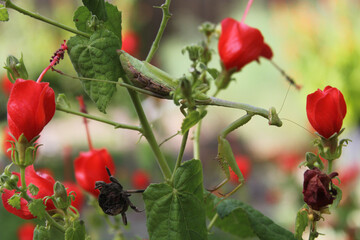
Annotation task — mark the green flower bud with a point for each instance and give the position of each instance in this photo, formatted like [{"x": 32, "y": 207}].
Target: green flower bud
[{"x": 16, "y": 69}]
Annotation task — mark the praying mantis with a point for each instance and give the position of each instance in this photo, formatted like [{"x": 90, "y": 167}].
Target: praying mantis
[{"x": 160, "y": 84}]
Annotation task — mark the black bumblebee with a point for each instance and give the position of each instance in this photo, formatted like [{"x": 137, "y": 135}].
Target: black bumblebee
[{"x": 113, "y": 199}]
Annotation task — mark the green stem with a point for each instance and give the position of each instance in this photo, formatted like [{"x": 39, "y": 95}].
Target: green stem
[
  {"x": 22, "y": 176},
  {"x": 197, "y": 140},
  {"x": 99, "y": 119},
  {"x": 165, "y": 19},
  {"x": 148, "y": 133},
  {"x": 223, "y": 103},
  {"x": 181, "y": 153},
  {"x": 11, "y": 5},
  {"x": 53, "y": 222},
  {"x": 236, "y": 124},
  {"x": 313, "y": 233},
  {"x": 330, "y": 163},
  {"x": 212, "y": 222}
]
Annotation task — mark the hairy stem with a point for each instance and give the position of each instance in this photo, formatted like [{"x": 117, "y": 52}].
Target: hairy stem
[
  {"x": 99, "y": 119},
  {"x": 11, "y": 5},
  {"x": 165, "y": 19},
  {"x": 148, "y": 133}
]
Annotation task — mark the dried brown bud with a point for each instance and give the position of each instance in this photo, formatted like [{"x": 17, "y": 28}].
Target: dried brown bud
[{"x": 317, "y": 190}]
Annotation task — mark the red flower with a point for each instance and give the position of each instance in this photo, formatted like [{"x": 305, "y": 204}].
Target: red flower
[
  {"x": 26, "y": 231},
  {"x": 130, "y": 43},
  {"x": 30, "y": 107},
  {"x": 240, "y": 44},
  {"x": 6, "y": 144},
  {"x": 317, "y": 188},
  {"x": 6, "y": 85},
  {"x": 326, "y": 111},
  {"x": 79, "y": 196},
  {"x": 43, "y": 181},
  {"x": 245, "y": 167},
  {"x": 140, "y": 179},
  {"x": 90, "y": 167}
]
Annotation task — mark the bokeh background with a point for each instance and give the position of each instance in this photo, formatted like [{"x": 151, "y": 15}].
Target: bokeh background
[{"x": 316, "y": 42}]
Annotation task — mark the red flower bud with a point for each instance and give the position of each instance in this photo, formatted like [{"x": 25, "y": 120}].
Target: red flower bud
[
  {"x": 90, "y": 167},
  {"x": 30, "y": 107},
  {"x": 26, "y": 231},
  {"x": 240, "y": 44},
  {"x": 326, "y": 111},
  {"x": 140, "y": 179},
  {"x": 43, "y": 181},
  {"x": 79, "y": 196},
  {"x": 245, "y": 167},
  {"x": 317, "y": 188}
]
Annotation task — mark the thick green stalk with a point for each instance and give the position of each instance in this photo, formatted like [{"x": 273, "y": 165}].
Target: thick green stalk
[
  {"x": 11, "y": 5},
  {"x": 165, "y": 19},
  {"x": 99, "y": 119},
  {"x": 148, "y": 133},
  {"x": 22, "y": 177}
]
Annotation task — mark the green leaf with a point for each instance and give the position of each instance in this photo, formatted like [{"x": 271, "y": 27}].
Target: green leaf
[
  {"x": 177, "y": 212},
  {"x": 190, "y": 120},
  {"x": 76, "y": 231},
  {"x": 41, "y": 233},
  {"x": 262, "y": 226},
  {"x": 33, "y": 189},
  {"x": 97, "y": 58},
  {"x": 232, "y": 212},
  {"x": 96, "y": 7},
  {"x": 37, "y": 208},
  {"x": 236, "y": 222},
  {"x": 81, "y": 17},
  {"x": 4, "y": 15},
  {"x": 301, "y": 223},
  {"x": 14, "y": 201},
  {"x": 114, "y": 20}
]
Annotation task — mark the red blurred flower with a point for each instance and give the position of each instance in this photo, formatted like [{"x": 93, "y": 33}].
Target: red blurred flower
[
  {"x": 240, "y": 44},
  {"x": 90, "y": 167},
  {"x": 317, "y": 188},
  {"x": 26, "y": 231},
  {"x": 288, "y": 162},
  {"x": 6, "y": 85},
  {"x": 245, "y": 167},
  {"x": 130, "y": 43},
  {"x": 79, "y": 196},
  {"x": 140, "y": 179},
  {"x": 348, "y": 174},
  {"x": 6, "y": 144},
  {"x": 30, "y": 107},
  {"x": 43, "y": 181},
  {"x": 326, "y": 111}
]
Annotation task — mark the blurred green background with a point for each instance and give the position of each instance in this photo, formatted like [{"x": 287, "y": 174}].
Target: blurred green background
[{"x": 316, "y": 42}]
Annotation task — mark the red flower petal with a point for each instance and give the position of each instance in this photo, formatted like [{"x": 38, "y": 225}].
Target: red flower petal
[{"x": 90, "y": 167}]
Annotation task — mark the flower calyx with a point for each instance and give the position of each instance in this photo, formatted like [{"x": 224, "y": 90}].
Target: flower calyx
[
  {"x": 15, "y": 68},
  {"x": 23, "y": 152}
]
